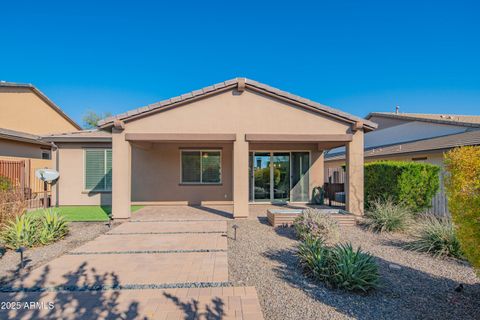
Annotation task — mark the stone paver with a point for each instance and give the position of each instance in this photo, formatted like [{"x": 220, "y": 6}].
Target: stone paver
[
  {"x": 130, "y": 242},
  {"x": 150, "y": 268}
]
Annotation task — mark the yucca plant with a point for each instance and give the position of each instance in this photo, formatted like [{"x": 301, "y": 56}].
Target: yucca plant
[
  {"x": 314, "y": 223},
  {"x": 53, "y": 226},
  {"x": 21, "y": 232},
  {"x": 386, "y": 216},
  {"x": 435, "y": 236},
  {"x": 353, "y": 270}
]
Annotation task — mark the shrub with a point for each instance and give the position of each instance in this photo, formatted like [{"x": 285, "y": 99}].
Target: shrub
[
  {"x": 12, "y": 205},
  {"x": 314, "y": 257},
  {"x": 21, "y": 232},
  {"x": 411, "y": 184},
  {"x": 435, "y": 236},
  {"x": 339, "y": 266},
  {"x": 385, "y": 216},
  {"x": 353, "y": 270},
  {"x": 53, "y": 227},
  {"x": 314, "y": 223},
  {"x": 463, "y": 191},
  {"x": 5, "y": 183}
]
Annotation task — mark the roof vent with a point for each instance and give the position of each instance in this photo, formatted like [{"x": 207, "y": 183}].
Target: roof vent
[{"x": 397, "y": 109}]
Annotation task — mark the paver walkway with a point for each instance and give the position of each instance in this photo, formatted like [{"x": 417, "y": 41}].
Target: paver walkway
[{"x": 160, "y": 265}]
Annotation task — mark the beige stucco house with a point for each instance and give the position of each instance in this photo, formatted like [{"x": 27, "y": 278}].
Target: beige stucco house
[
  {"x": 237, "y": 142},
  {"x": 26, "y": 114}
]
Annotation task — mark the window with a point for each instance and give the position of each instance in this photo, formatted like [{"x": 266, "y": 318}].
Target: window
[
  {"x": 46, "y": 155},
  {"x": 98, "y": 169},
  {"x": 201, "y": 166}
]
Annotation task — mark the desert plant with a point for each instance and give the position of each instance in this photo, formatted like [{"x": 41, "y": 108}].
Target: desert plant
[
  {"x": 314, "y": 223},
  {"x": 21, "y": 232},
  {"x": 53, "y": 226},
  {"x": 314, "y": 257},
  {"x": 339, "y": 266},
  {"x": 411, "y": 184},
  {"x": 435, "y": 236},
  {"x": 463, "y": 191},
  {"x": 12, "y": 204},
  {"x": 385, "y": 216},
  {"x": 353, "y": 270}
]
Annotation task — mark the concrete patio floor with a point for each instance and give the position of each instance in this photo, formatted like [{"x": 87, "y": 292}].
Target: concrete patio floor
[{"x": 166, "y": 263}]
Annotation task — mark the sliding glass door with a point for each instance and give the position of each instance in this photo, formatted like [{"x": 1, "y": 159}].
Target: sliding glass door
[{"x": 279, "y": 176}]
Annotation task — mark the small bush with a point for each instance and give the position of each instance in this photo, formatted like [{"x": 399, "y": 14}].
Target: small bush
[
  {"x": 437, "y": 237},
  {"x": 463, "y": 191},
  {"x": 339, "y": 266},
  {"x": 5, "y": 183},
  {"x": 411, "y": 184},
  {"x": 385, "y": 216},
  {"x": 314, "y": 223},
  {"x": 314, "y": 257},
  {"x": 353, "y": 270},
  {"x": 54, "y": 227},
  {"x": 21, "y": 232}
]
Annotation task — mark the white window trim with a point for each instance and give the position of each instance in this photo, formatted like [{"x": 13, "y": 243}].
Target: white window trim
[
  {"x": 104, "y": 189},
  {"x": 201, "y": 175}
]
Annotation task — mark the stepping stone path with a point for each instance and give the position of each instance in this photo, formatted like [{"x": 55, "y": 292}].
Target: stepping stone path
[{"x": 155, "y": 267}]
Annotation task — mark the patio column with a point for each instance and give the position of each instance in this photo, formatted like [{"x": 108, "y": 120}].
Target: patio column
[
  {"x": 240, "y": 177},
  {"x": 354, "y": 178},
  {"x": 121, "y": 175}
]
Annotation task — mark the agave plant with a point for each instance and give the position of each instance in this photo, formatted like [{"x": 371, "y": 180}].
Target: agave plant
[
  {"x": 353, "y": 270},
  {"x": 314, "y": 257},
  {"x": 21, "y": 232},
  {"x": 53, "y": 226}
]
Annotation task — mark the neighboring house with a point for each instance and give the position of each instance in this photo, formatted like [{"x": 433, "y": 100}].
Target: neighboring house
[
  {"x": 411, "y": 137},
  {"x": 237, "y": 142},
  {"x": 25, "y": 115}
]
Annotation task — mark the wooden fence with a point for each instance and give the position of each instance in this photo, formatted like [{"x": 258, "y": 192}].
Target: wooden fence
[{"x": 21, "y": 175}]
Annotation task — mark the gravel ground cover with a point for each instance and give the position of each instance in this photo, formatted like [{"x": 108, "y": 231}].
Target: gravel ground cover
[
  {"x": 80, "y": 232},
  {"x": 413, "y": 285}
]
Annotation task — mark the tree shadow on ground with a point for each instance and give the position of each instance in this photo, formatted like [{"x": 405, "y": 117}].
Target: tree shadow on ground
[
  {"x": 221, "y": 213},
  {"x": 192, "y": 309},
  {"x": 79, "y": 296},
  {"x": 404, "y": 294}
]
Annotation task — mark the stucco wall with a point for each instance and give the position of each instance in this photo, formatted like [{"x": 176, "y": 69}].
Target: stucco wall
[
  {"x": 69, "y": 161},
  {"x": 156, "y": 175},
  {"x": 9, "y": 148},
  {"x": 23, "y": 110}
]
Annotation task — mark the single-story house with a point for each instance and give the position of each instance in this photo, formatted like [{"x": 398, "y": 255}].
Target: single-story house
[
  {"x": 237, "y": 142},
  {"x": 411, "y": 137}
]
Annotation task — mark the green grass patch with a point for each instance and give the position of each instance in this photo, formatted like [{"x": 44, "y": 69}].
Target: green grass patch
[{"x": 85, "y": 213}]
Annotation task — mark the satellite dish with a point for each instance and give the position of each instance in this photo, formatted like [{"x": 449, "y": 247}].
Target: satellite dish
[{"x": 47, "y": 175}]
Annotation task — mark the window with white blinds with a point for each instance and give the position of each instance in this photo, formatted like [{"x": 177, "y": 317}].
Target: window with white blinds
[
  {"x": 201, "y": 166},
  {"x": 98, "y": 169}
]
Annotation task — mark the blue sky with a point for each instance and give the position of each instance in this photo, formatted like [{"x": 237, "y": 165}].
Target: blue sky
[{"x": 358, "y": 56}]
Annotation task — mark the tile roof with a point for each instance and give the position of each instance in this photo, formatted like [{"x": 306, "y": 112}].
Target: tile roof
[
  {"x": 93, "y": 135},
  {"x": 230, "y": 84},
  {"x": 463, "y": 120},
  {"x": 469, "y": 138},
  {"x": 21, "y": 136},
  {"x": 6, "y": 84}
]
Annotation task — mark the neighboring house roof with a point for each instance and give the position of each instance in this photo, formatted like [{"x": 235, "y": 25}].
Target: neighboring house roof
[
  {"x": 468, "y": 138},
  {"x": 231, "y": 84},
  {"x": 462, "y": 120},
  {"x": 93, "y": 135},
  {"x": 22, "y": 137},
  {"x": 41, "y": 96}
]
